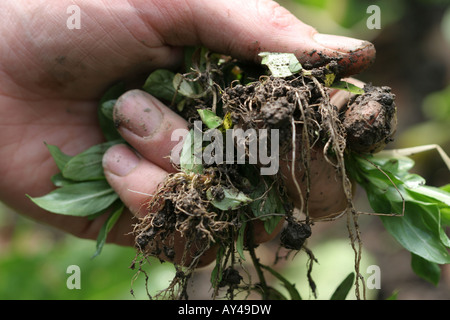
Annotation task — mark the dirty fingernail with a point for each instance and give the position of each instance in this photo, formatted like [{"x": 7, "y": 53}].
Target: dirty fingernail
[
  {"x": 136, "y": 111},
  {"x": 340, "y": 43},
  {"x": 120, "y": 160}
]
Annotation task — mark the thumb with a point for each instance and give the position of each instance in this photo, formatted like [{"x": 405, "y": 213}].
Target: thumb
[
  {"x": 120, "y": 39},
  {"x": 245, "y": 28}
]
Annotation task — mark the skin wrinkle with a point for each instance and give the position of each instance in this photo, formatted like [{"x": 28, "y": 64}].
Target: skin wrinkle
[
  {"x": 9, "y": 170},
  {"x": 13, "y": 149},
  {"x": 159, "y": 20},
  {"x": 42, "y": 184},
  {"x": 26, "y": 58},
  {"x": 233, "y": 44},
  {"x": 148, "y": 23},
  {"x": 161, "y": 54},
  {"x": 42, "y": 114},
  {"x": 78, "y": 63},
  {"x": 191, "y": 14},
  {"x": 37, "y": 119},
  {"x": 279, "y": 17},
  {"x": 187, "y": 22},
  {"x": 28, "y": 40},
  {"x": 125, "y": 26}
]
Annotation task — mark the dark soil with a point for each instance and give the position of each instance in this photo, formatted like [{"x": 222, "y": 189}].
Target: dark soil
[
  {"x": 299, "y": 107},
  {"x": 370, "y": 120},
  {"x": 294, "y": 235}
]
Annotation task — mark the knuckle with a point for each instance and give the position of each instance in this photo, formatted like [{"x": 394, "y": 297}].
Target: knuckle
[{"x": 276, "y": 15}]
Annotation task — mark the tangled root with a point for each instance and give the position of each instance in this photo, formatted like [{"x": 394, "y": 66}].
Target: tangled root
[{"x": 299, "y": 107}]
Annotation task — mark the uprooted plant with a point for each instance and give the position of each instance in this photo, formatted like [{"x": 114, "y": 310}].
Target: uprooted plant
[{"x": 227, "y": 180}]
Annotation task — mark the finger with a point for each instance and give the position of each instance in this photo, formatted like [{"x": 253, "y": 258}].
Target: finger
[
  {"x": 326, "y": 193},
  {"x": 260, "y": 235},
  {"x": 340, "y": 98},
  {"x": 246, "y": 28},
  {"x": 154, "y": 130},
  {"x": 133, "y": 177},
  {"x": 135, "y": 180},
  {"x": 119, "y": 39}
]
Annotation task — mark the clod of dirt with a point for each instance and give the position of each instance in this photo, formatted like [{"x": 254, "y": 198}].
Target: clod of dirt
[
  {"x": 294, "y": 235},
  {"x": 274, "y": 103},
  {"x": 230, "y": 277},
  {"x": 181, "y": 205},
  {"x": 370, "y": 120},
  {"x": 277, "y": 113}
]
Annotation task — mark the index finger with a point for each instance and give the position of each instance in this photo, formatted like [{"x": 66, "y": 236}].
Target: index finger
[{"x": 149, "y": 127}]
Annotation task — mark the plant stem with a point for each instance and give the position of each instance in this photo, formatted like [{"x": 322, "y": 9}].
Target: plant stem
[{"x": 255, "y": 260}]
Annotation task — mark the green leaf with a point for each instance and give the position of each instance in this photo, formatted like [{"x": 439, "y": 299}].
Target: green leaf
[
  {"x": 393, "y": 296},
  {"x": 227, "y": 121},
  {"x": 268, "y": 208},
  {"x": 190, "y": 157},
  {"x": 160, "y": 84},
  {"x": 105, "y": 111},
  {"x": 295, "y": 295},
  {"x": 209, "y": 118},
  {"x": 190, "y": 89},
  {"x": 232, "y": 200},
  {"x": 189, "y": 57},
  {"x": 343, "y": 289},
  {"x": 107, "y": 108},
  {"x": 281, "y": 64},
  {"x": 107, "y": 226},
  {"x": 59, "y": 181},
  {"x": 433, "y": 201},
  {"x": 425, "y": 269},
  {"x": 433, "y": 192},
  {"x": 419, "y": 230},
  {"x": 183, "y": 86},
  {"x": 329, "y": 79},
  {"x": 60, "y": 158},
  {"x": 271, "y": 293},
  {"x": 80, "y": 199},
  {"x": 87, "y": 165},
  {"x": 216, "y": 273},
  {"x": 347, "y": 86},
  {"x": 445, "y": 211},
  {"x": 445, "y": 216}
]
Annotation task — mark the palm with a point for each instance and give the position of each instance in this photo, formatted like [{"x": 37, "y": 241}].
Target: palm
[
  {"x": 50, "y": 94},
  {"x": 26, "y": 165}
]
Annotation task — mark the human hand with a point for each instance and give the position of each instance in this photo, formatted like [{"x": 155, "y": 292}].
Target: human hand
[{"x": 52, "y": 79}]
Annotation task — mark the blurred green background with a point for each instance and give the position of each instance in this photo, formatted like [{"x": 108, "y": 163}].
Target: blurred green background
[
  {"x": 34, "y": 260},
  {"x": 413, "y": 58}
]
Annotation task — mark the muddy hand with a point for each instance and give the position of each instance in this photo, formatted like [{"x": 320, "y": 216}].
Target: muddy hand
[
  {"x": 53, "y": 76},
  {"x": 148, "y": 126},
  {"x": 152, "y": 130}
]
